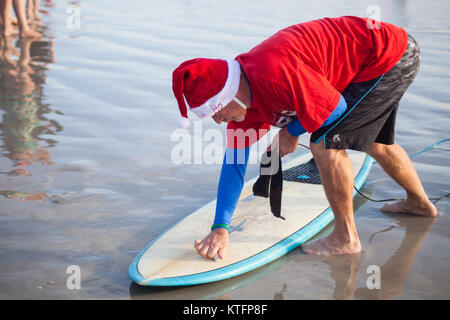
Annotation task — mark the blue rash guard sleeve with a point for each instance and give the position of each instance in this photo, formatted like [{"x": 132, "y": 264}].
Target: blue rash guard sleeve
[
  {"x": 231, "y": 183},
  {"x": 295, "y": 128}
]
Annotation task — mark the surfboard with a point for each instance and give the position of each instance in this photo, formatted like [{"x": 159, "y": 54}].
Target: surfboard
[{"x": 256, "y": 236}]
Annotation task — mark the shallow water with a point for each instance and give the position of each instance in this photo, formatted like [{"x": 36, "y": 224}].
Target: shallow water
[{"x": 85, "y": 153}]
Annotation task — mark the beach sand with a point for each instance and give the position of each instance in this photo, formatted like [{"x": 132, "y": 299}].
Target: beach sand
[{"x": 85, "y": 154}]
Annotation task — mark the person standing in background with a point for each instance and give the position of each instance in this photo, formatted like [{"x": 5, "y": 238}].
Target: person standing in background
[
  {"x": 25, "y": 31},
  {"x": 33, "y": 11}
]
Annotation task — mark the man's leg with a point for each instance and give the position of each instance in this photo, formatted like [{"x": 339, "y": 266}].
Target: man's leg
[
  {"x": 336, "y": 173},
  {"x": 395, "y": 161}
]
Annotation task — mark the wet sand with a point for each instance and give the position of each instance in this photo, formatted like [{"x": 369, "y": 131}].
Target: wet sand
[{"x": 85, "y": 155}]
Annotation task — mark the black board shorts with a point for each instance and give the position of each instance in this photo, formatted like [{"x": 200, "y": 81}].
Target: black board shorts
[{"x": 371, "y": 107}]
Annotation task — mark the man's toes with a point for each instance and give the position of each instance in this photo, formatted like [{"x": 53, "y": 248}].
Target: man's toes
[{"x": 311, "y": 248}]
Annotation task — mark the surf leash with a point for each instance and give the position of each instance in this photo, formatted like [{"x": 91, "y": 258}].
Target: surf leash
[
  {"x": 434, "y": 199},
  {"x": 270, "y": 181},
  {"x": 430, "y": 147}
]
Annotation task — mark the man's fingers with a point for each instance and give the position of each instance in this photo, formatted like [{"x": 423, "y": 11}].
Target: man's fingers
[
  {"x": 220, "y": 253},
  {"x": 212, "y": 252},
  {"x": 198, "y": 244},
  {"x": 213, "y": 245},
  {"x": 204, "y": 251}
]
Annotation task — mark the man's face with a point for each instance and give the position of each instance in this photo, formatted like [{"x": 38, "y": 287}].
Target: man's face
[{"x": 231, "y": 112}]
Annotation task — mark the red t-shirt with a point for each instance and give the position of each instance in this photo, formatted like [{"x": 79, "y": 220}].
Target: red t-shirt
[{"x": 300, "y": 71}]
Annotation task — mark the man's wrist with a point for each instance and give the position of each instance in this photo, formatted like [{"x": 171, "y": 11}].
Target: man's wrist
[{"x": 220, "y": 226}]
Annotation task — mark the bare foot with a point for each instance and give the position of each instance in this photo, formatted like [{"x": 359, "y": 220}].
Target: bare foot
[
  {"x": 29, "y": 33},
  {"x": 10, "y": 31},
  {"x": 406, "y": 206},
  {"x": 332, "y": 245}
]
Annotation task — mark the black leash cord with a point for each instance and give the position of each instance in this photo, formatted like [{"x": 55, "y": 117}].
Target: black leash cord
[
  {"x": 435, "y": 199},
  {"x": 374, "y": 200}
]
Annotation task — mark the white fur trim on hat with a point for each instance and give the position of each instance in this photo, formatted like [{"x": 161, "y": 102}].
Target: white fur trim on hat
[{"x": 225, "y": 96}]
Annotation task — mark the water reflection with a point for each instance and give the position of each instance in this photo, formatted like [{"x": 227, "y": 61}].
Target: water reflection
[
  {"x": 395, "y": 270},
  {"x": 24, "y": 122},
  {"x": 344, "y": 269}
]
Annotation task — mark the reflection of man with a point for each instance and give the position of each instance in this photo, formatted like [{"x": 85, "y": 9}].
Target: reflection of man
[
  {"x": 344, "y": 269},
  {"x": 344, "y": 80},
  {"x": 394, "y": 272}
]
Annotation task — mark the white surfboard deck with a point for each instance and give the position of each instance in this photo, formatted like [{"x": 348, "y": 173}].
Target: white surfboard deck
[{"x": 256, "y": 236}]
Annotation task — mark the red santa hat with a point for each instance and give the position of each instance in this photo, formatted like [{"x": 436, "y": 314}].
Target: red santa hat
[{"x": 208, "y": 85}]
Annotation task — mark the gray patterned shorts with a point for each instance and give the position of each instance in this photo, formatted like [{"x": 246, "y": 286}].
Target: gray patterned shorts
[{"x": 372, "y": 107}]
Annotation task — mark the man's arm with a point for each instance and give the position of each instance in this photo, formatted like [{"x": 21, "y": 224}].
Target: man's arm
[
  {"x": 230, "y": 187},
  {"x": 295, "y": 128},
  {"x": 231, "y": 183},
  {"x": 287, "y": 138}
]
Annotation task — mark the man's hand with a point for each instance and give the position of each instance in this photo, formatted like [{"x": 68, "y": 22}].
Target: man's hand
[
  {"x": 285, "y": 142},
  {"x": 215, "y": 243}
]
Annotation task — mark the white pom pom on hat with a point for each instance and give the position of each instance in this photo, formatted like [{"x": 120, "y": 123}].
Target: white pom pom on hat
[
  {"x": 208, "y": 85},
  {"x": 183, "y": 122}
]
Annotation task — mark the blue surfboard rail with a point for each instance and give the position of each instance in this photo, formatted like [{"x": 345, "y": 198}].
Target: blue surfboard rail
[{"x": 251, "y": 263}]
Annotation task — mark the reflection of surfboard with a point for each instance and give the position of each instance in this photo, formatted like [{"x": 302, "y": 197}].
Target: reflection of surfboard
[{"x": 256, "y": 236}]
